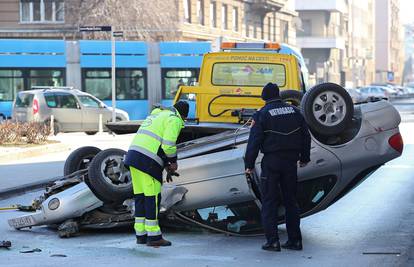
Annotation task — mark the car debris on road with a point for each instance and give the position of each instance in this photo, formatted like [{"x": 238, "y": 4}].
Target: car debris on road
[{"x": 5, "y": 244}]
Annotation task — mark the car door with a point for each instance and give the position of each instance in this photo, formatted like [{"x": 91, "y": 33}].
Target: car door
[
  {"x": 67, "y": 111},
  {"x": 91, "y": 109}
]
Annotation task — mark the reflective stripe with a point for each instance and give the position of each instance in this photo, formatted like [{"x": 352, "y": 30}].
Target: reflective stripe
[
  {"x": 140, "y": 233},
  {"x": 151, "y": 223},
  {"x": 168, "y": 143},
  {"x": 154, "y": 233},
  {"x": 149, "y": 133},
  {"x": 281, "y": 133},
  {"x": 139, "y": 220},
  {"x": 172, "y": 155},
  {"x": 148, "y": 153}
]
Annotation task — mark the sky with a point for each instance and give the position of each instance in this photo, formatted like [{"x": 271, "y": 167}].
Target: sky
[{"x": 406, "y": 10}]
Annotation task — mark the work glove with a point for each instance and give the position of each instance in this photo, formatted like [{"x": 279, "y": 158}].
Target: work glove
[{"x": 170, "y": 174}]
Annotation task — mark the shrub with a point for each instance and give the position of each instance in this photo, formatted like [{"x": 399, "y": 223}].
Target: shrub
[{"x": 30, "y": 132}]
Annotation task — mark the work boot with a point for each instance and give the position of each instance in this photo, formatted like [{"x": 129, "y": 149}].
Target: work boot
[
  {"x": 271, "y": 246},
  {"x": 293, "y": 245},
  {"x": 159, "y": 243},
  {"x": 141, "y": 239}
]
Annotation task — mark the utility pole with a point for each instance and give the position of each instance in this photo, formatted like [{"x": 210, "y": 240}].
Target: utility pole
[{"x": 113, "y": 78}]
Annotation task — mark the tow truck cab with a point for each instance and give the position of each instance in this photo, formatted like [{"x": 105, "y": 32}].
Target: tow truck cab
[{"x": 231, "y": 80}]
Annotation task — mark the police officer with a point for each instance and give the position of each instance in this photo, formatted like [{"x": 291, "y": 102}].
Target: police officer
[
  {"x": 279, "y": 131},
  {"x": 153, "y": 149}
]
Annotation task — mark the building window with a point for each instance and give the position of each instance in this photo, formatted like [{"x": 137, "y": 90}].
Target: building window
[
  {"x": 235, "y": 19},
  {"x": 274, "y": 27},
  {"x": 269, "y": 28},
  {"x": 306, "y": 28},
  {"x": 42, "y": 11},
  {"x": 284, "y": 31},
  {"x": 130, "y": 83},
  {"x": 262, "y": 28},
  {"x": 172, "y": 79},
  {"x": 213, "y": 14},
  {"x": 224, "y": 24},
  {"x": 200, "y": 11},
  {"x": 187, "y": 11}
]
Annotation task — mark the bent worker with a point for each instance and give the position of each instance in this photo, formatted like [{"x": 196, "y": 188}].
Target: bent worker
[
  {"x": 280, "y": 132},
  {"x": 153, "y": 149}
]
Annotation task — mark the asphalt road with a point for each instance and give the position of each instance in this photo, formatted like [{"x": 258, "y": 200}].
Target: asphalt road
[{"x": 371, "y": 226}]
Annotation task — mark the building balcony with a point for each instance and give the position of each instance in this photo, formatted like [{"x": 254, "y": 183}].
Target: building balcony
[
  {"x": 325, "y": 5},
  {"x": 321, "y": 42},
  {"x": 267, "y": 5}
]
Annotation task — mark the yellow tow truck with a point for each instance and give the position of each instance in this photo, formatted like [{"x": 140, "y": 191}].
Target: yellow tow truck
[
  {"x": 231, "y": 81},
  {"x": 230, "y": 84}
]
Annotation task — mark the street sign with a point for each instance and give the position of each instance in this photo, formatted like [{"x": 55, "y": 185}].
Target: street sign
[
  {"x": 95, "y": 28},
  {"x": 118, "y": 34}
]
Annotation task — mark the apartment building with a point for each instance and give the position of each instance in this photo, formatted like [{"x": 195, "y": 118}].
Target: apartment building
[
  {"x": 359, "y": 65},
  {"x": 185, "y": 20},
  {"x": 389, "y": 42},
  {"x": 322, "y": 38}
]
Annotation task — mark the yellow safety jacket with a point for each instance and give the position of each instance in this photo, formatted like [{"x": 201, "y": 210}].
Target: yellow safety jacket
[{"x": 154, "y": 145}]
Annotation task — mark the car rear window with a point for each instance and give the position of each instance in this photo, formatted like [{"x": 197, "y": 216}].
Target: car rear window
[
  {"x": 24, "y": 100},
  {"x": 248, "y": 74}
]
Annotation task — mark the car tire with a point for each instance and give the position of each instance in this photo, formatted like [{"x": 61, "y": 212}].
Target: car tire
[
  {"x": 90, "y": 132},
  {"x": 80, "y": 159},
  {"x": 292, "y": 97},
  {"x": 107, "y": 177},
  {"x": 327, "y": 108}
]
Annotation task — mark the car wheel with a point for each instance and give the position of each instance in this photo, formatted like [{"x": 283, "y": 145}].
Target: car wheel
[
  {"x": 292, "y": 97},
  {"x": 80, "y": 159},
  {"x": 327, "y": 108},
  {"x": 91, "y": 132},
  {"x": 108, "y": 178}
]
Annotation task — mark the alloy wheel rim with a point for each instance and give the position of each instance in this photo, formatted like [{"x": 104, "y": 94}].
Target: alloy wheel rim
[{"x": 329, "y": 108}]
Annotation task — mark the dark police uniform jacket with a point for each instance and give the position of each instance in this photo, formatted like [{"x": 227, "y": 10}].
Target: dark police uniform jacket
[{"x": 278, "y": 128}]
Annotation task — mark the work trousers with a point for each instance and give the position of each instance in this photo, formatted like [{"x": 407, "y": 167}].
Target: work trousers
[
  {"x": 279, "y": 173},
  {"x": 147, "y": 194}
]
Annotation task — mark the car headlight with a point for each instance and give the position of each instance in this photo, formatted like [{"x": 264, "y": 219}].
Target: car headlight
[{"x": 53, "y": 204}]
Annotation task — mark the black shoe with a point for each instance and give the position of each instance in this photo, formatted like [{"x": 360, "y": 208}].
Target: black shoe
[
  {"x": 141, "y": 239},
  {"x": 297, "y": 245},
  {"x": 271, "y": 246},
  {"x": 159, "y": 243}
]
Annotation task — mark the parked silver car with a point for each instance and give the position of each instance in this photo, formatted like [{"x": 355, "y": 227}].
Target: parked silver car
[
  {"x": 372, "y": 92},
  {"x": 213, "y": 191},
  {"x": 73, "y": 110}
]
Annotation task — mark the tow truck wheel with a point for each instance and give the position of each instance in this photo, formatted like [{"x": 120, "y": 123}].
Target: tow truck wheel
[
  {"x": 80, "y": 159},
  {"x": 327, "y": 108},
  {"x": 292, "y": 97},
  {"x": 108, "y": 178}
]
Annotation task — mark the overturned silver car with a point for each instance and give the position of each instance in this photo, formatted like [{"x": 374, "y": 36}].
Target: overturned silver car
[{"x": 348, "y": 144}]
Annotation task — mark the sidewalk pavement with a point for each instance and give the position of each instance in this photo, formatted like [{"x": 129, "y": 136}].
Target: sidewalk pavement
[{"x": 23, "y": 169}]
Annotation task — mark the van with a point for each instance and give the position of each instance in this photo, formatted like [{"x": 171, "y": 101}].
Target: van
[{"x": 72, "y": 109}]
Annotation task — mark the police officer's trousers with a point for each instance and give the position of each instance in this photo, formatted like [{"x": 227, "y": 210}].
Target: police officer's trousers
[
  {"x": 279, "y": 173},
  {"x": 147, "y": 193}
]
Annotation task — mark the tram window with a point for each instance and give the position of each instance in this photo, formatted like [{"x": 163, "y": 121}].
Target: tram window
[
  {"x": 130, "y": 83},
  {"x": 45, "y": 77},
  {"x": 11, "y": 82},
  {"x": 172, "y": 79}
]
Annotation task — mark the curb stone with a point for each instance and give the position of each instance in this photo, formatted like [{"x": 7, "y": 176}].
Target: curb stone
[{"x": 33, "y": 152}]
